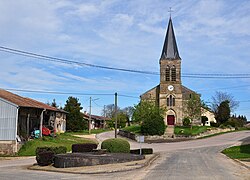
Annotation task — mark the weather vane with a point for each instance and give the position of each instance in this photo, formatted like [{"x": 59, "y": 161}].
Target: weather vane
[{"x": 170, "y": 11}]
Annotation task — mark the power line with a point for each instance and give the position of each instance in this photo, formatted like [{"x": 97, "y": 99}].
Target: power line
[
  {"x": 128, "y": 96},
  {"x": 59, "y": 93},
  {"x": 68, "y": 93},
  {"x": 67, "y": 61}
]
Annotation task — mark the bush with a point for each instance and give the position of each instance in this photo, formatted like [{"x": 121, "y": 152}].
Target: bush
[
  {"x": 45, "y": 158},
  {"x": 234, "y": 122},
  {"x": 144, "y": 151},
  {"x": 116, "y": 145},
  {"x": 186, "y": 122},
  {"x": 88, "y": 147},
  {"x": 45, "y": 155},
  {"x": 214, "y": 124},
  {"x": 155, "y": 126}
]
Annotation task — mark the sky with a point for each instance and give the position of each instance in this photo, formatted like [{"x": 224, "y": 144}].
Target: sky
[{"x": 213, "y": 36}]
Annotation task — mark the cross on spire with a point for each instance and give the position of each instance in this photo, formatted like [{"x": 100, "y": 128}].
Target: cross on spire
[{"x": 170, "y": 11}]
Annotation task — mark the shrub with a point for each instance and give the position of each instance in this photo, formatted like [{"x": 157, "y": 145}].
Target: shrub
[
  {"x": 45, "y": 158},
  {"x": 45, "y": 155},
  {"x": 155, "y": 126},
  {"x": 186, "y": 122},
  {"x": 116, "y": 145},
  {"x": 144, "y": 151},
  {"x": 88, "y": 147},
  {"x": 214, "y": 124}
]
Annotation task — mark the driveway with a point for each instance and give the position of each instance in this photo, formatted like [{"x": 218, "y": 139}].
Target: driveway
[{"x": 197, "y": 159}]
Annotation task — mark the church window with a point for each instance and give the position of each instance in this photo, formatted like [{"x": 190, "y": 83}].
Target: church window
[
  {"x": 171, "y": 101},
  {"x": 173, "y": 73},
  {"x": 167, "y": 101},
  {"x": 167, "y": 73}
]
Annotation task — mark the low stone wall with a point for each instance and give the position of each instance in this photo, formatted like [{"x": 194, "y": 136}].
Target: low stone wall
[
  {"x": 175, "y": 138},
  {"x": 91, "y": 159},
  {"x": 9, "y": 147},
  {"x": 127, "y": 134}
]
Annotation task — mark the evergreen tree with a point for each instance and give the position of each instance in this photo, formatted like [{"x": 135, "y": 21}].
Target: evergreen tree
[
  {"x": 75, "y": 120},
  {"x": 223, "y": 113}
]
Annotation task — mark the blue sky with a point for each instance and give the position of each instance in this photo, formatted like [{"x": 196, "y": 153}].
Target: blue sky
[{"x": 213, "y": 36}]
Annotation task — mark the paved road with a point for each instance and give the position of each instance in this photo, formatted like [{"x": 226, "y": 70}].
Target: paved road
[{"x": 198, "y": 159}]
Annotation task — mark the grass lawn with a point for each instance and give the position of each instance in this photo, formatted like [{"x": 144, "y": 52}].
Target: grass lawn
[
  {"x": 133, "y": 129},
  {"x": 85, "y": 132},
  {"x": 66, "y": 139},
  {"x": 181, "y": 130},
  {"x": 238, "y": 152}
]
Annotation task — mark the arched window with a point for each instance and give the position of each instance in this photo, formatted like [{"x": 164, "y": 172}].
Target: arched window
[
  {"x": 171, "y": 101},
  {"x": 173, "y": 73},
  {"x": 167, "y": 74}
]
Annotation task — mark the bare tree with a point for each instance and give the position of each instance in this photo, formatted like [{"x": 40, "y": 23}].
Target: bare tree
[
  {"x": 219, "y": 97},
  {"x": 109, "y": 110}
]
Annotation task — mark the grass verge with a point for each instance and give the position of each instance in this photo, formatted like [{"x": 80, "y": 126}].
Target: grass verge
[
  {"x": 188, "y": 131},
  {"x": 133, "y": 129},
  {"x": 29, "y": 148},
  {"x": 86, "y": 132},
  {"x": 238, "y": 152}
]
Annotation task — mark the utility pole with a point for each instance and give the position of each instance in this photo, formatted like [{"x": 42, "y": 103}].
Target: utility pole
[
  {"x": 90, "y": 99},
  {"x": 115, "y": 115}
]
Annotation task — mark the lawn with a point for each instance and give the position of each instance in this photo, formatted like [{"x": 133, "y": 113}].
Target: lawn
[
  {"x": 238, "y": 152},
  {"x": 66, "y": 139},
  {"x": 85, "y": 132},
  {"x": 195, "y": 130},
  {"x": 133, "y": 129}
]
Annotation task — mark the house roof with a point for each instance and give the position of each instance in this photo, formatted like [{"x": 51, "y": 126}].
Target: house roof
[
  {"x": 24, "y": 101},
  {"x": 170, "y": 50},
  {"x": 95, "y": 117}
]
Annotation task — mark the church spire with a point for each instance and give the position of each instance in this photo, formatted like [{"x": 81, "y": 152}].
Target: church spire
[{"x": 170, "y": 50}]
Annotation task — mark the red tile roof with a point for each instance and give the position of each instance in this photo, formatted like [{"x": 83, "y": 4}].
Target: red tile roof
[
  {"x": 95, "y": 117},
  {"x": 23, "y": 101}
]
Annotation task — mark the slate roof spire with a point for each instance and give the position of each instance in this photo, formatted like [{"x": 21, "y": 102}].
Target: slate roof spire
[{"x": 170, "y": 50}]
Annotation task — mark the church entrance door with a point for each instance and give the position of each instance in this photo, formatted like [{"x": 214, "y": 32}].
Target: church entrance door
[{"x": 170, "y": 119}]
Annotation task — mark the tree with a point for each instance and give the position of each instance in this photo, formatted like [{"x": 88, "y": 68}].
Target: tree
[
  {"x": 129, "y": 111},
  {"x": 219, "y": 97},
  {"x": 75, "y": 121},
  {"x": 53, "y": 104},
  {"x": 109, "y": 110},
  {"x": 150, "y": 117},
  {"x": 122, "y": 119},
  {"x": 223, "y": 112},
  {"x": 193, "y": 107}
]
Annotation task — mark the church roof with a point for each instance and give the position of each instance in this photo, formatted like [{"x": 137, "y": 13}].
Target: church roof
[{"x": 170, "y": 50}]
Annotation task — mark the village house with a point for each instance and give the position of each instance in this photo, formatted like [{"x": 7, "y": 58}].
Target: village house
[
  {"x": 96, "y": 122},
  {"x": 19, "y": 116}
]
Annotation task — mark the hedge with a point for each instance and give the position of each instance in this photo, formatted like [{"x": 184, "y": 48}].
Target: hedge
[
  {"x": 116, "y": 145},
  {"x": 45, "y": 155},
  {"x": 88, "y": 147}
]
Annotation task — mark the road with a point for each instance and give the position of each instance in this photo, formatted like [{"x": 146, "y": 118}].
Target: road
[{"x": 197, "y": 159}]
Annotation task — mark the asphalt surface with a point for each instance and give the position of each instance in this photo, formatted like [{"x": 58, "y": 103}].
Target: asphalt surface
[{"x": 197, "y": 159}]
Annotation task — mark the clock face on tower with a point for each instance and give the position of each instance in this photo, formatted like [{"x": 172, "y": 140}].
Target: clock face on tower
[{"x": 170, "y": 87}]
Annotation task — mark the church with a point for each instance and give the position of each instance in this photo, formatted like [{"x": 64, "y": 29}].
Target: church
[{"x": 170, "y": 93}]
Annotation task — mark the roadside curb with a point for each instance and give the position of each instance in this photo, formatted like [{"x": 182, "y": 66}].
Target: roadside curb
[
  {"x": 237, "y": 161},
  {"x": 241, "y": 163},
  {"x": 100, "y": 169}
]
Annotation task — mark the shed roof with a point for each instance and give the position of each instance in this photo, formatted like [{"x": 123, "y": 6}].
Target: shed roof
[{"x": 24, "y": 101}]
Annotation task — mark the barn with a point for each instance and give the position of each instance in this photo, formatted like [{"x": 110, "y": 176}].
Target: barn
[{"x": 19, "y": 116}]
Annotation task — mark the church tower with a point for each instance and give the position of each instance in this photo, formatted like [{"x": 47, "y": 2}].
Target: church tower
[{"x": 170, "y": 92}]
